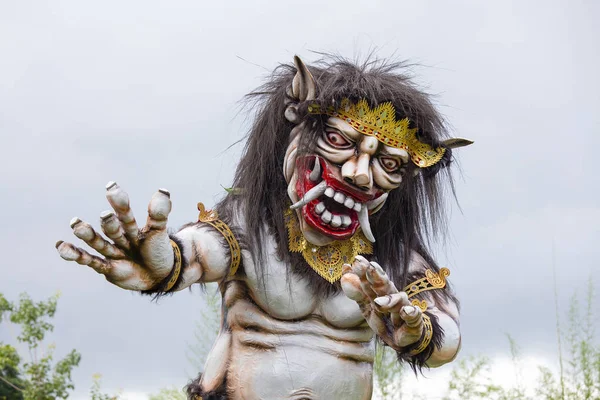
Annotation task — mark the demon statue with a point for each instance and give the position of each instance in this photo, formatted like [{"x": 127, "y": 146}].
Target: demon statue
[{"x": 319, "y": 251}]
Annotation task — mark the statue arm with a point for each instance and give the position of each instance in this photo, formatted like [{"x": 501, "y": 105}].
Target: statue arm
[
  {"x": 148, "y": 260},
  {"x": 442, "y": 312},
  {"x": 205, "y": 256},
  {"x": 423, "y": 338}
]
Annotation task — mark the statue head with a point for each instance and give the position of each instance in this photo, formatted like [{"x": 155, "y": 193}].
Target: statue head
[
  {"x": 360, "y": 154},
  {"x": 348, "y": 147}
]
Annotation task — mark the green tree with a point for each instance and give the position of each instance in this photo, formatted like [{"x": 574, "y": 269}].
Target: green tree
[{"x": 37, "y": 377}]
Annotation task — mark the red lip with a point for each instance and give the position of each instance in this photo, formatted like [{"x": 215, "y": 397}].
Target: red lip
[{"x": 330, "y": 176}]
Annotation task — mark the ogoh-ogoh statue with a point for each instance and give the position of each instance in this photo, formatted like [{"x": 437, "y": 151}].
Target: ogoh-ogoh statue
[{"x": 319, "y": 250}]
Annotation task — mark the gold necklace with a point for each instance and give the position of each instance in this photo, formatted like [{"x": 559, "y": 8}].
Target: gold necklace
[{"x": 326, "y": 260}]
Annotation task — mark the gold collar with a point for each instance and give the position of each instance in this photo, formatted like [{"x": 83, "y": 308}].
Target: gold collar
[{"x": 326, "y": 260}]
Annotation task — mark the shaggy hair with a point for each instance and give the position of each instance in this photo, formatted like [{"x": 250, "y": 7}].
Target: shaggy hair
[{"x": 412, "y": 214}]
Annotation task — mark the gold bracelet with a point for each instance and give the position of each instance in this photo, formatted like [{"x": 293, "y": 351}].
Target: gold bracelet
[
  {"x": 212, "y": 218},
  {"x": 428, "y": 328},
  {"x": 431, "y": 281},
  {"x": 177, "y": 267}
]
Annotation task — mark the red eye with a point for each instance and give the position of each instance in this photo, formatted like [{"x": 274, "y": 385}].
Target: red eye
[
  {"x": 337, "y": 140},
  {"x": 390, "y": 164}
]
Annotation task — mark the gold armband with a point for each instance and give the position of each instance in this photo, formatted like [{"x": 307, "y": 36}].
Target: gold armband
[
  {"x": 431, "y": 281},
  {"x": 211, "y": 217},
  {"x": 176, "y": 267}
]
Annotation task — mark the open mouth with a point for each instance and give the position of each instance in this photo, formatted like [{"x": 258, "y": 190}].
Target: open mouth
[{"x": 331, "y": 206}]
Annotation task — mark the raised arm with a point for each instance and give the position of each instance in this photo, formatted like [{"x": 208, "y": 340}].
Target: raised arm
[
  {"x": 148, "y": 259},
  {"x": 420, "y": 322}
]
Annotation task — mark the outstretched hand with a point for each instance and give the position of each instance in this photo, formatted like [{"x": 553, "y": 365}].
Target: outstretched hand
[
  {"x": 388, "y": 311},
  {"x": 135, "y": 259}
]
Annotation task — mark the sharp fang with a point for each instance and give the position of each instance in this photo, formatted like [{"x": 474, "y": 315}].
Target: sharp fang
[
  {"x": 346, "y": 221},
  {"x": 363, "y": 220},
  {"x": 377, "y": 202},
  {"x": 315, "y": 175},
  {"x": 319, "y": 208},
  {"x": 339, "y": 197},
  {"x": 357, "y": 207},
  {"x": 326, "y": 217},
  {"x": 309, "y": 196},
  {"x": 336, "y": 221}
]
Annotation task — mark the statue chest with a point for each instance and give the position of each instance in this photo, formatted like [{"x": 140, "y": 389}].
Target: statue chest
[{"x": 287, "y": 296}]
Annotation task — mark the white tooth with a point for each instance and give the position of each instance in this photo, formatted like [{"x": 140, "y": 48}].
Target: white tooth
[
  {"x": 363, "y": 219},
  {"x": 376, "y": 202},
  {"x": 346, "y": 221},
  {"x": 336, "y": 221},
  {"x": 339, "y": 197},
  {"x": 329, "y": 192},
  {"x": 309, "y": 196},
  {"x": 315, "y": 175},
  {"x": 357, "y": 207},
  {"x": 326, "y": 217},
  {"x": 319, "y": 208},
  {"x": 349, "y": 202}
]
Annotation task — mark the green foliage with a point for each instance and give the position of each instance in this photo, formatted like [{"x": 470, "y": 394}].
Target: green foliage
[
  {"x": 96, "y": 394},
  {"x": 169, "y": 394},
  {"x": 388, "y": 374},
  {"x": 38, "y": 378},
  {"x": 472, "y": 377},
  {"x": 206, "y": 330},
  {"x": 580, "y": 380}
]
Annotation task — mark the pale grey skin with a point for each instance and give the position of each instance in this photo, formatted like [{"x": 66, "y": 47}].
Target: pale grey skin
[{"x": 287, "y": 343}]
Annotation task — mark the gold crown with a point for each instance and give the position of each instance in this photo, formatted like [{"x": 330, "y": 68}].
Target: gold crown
[{"x": 381, "y": 123}]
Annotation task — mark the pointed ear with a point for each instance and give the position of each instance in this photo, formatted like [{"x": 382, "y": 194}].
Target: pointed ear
[
  {"x": 303, "y": 85},
  {"x": 454, "y": 143}
]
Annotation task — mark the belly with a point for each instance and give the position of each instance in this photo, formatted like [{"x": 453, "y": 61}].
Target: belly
[
  {"x": 293, "y": 371},
  {"x": 300, "y": 360}
]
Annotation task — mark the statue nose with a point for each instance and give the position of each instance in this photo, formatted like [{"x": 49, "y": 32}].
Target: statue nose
[{"x": 357, "y": 171}]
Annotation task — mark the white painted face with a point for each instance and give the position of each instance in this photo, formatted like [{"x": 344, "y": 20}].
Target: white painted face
[{"x": 347, "y": 179}]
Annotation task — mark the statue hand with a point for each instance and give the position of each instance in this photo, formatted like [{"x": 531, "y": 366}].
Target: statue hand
[
  {"x": 136, "y": 259},
  {"x": 387, "y": 311}
]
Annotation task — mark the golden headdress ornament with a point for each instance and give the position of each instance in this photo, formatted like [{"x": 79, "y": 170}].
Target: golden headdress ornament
[{"x": 381, "y": 123}]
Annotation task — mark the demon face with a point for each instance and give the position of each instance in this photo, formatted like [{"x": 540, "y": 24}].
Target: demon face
[
  {"x": 334, "y": 190},
  {"x": 348, "y": 178}
]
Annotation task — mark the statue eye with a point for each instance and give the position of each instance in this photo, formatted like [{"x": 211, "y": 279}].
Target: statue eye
[
  {"x": 337, "y": 140},
  {"x": 390, "y": 164}
]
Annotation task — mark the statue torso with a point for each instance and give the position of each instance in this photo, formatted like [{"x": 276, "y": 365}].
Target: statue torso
[{"x": 282, "y": 340}]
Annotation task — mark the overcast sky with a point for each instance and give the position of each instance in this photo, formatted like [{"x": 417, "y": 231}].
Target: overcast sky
[{"x": 146, "y": 92}]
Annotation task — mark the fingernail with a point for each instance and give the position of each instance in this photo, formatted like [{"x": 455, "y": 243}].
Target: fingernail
[
  {"x": 410, "y": 310},
  {"x": 382, "y": 301},
  {"x": 106, "y": 214},
  {"x": 165, "y": 192},
  {"x": 57, "y": 245},
  {"x": 110, "y": 185},
  {"x": 74, "y": 221}
]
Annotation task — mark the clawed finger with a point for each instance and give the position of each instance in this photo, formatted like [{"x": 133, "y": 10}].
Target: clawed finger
[
  {"x": 158, "y": 210},
  {"x": 380, "y": 283},
  {"x": 411, "y": 315},
  {"x": 392, "y": 304},
  {"x": 113, "y": 229},
  {"x": 351, "y": 285},
  {"x": 412, "y": 330},
  {"x": 70, "y": 252},
  {"x": 85, "y": 232},
  {"x": 119, "y": 200},
  {"x": 359, "y": 267}
]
